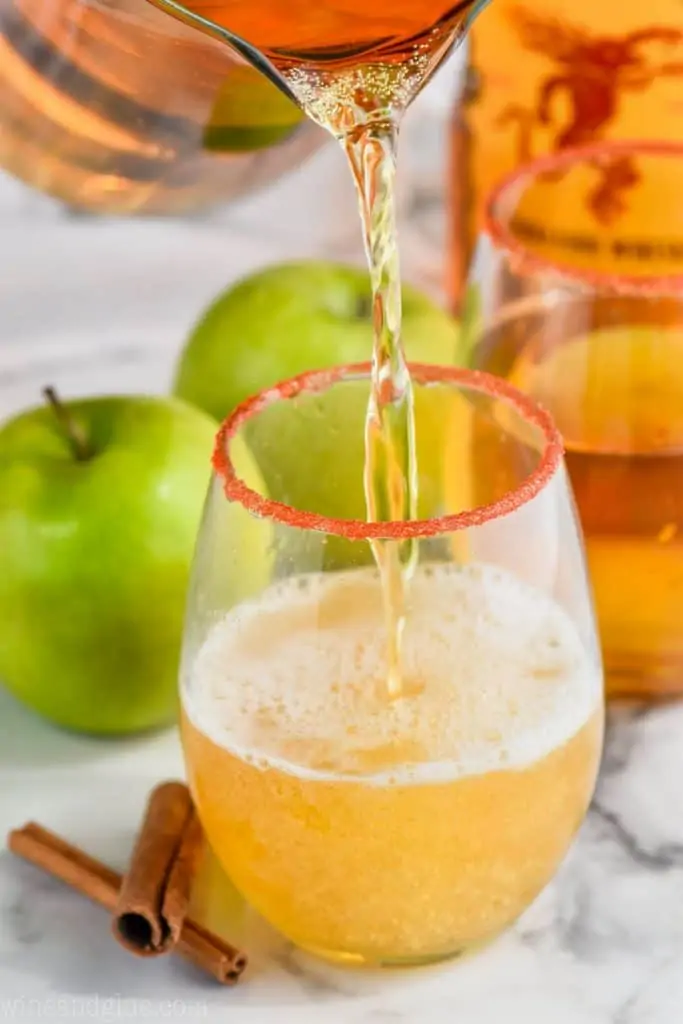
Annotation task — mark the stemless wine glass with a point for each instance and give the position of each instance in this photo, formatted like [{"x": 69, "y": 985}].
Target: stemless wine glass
[
  {"x": 576, "y": 297},
  {"x": 369, "y": 829}
]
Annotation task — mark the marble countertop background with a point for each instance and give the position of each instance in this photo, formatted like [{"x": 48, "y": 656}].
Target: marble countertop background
[{"x": 94, "y": 305}]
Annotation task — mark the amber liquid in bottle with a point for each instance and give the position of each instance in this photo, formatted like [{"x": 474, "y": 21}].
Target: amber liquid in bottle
[{"x": 547, "y": 75}]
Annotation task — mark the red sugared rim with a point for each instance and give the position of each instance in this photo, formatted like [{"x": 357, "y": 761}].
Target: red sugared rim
[
  {"x": 316, "y": 381},
  {"x": 529, "y": 262}
]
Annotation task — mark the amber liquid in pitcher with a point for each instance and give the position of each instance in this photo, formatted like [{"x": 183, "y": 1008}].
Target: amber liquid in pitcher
[
  {"x": 112, "y": 106},
  {"x": 337, "y": 33}
]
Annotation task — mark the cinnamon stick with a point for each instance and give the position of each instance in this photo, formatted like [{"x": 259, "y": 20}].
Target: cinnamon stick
[
  {"x": 155, "y": 892},
  {"x": 100, "y": 884}
]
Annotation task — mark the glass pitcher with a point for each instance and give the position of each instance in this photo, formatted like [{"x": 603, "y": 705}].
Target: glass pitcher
[{"x": 113, "y": 106}]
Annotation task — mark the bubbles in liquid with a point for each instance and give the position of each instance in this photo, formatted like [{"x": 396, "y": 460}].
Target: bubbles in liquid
[{"x": 495, "y": 677}]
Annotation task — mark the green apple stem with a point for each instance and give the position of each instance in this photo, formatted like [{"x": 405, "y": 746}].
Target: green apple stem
[{"x": 71, "y": 430}]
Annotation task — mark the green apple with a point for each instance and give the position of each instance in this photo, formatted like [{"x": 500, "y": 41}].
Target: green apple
[
  {"x": 294, "y": 317},
  {"x": 309, "y": 315},
  {"x": 100, "y": 501},
  {"x": 249, "y": 113}
]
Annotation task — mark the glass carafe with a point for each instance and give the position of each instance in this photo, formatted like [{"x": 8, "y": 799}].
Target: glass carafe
[{"x": 113, "y": 106}]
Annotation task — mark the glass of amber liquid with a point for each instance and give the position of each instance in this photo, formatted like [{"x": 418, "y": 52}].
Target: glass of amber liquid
[
  {"x": 576, "y": 297},
  {"x": 369, "y": 828}
]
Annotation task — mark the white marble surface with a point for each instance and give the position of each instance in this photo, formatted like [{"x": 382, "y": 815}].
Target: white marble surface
[{"x": 99, "y": 306}]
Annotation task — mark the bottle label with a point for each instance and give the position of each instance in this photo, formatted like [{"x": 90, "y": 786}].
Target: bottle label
[{"x": 566, "y": 73}]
